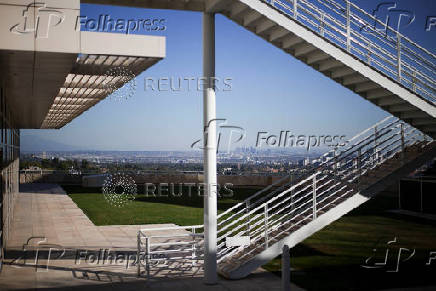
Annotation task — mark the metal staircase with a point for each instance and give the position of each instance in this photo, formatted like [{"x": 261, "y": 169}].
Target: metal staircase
[
  {"x": 290, "y": 211},
  {"x": 340, "y": 40}
]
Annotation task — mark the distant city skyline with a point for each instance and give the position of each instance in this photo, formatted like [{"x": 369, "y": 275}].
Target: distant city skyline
[{"x": 271, "y": 91}]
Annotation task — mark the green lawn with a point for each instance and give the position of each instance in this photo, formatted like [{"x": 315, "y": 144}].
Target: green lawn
[{"x": 184, "y": 210}]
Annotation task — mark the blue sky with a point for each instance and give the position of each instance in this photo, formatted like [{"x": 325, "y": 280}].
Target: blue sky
[{"x": 271, "y": 91}]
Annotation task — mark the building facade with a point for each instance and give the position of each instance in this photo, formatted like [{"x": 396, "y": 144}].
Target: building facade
[{"x": 51, "y": 72}]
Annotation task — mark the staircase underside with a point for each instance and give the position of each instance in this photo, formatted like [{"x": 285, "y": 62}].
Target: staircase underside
[
  {"x": 372, "y": 183},
  {"x": 334, "y": 62}
]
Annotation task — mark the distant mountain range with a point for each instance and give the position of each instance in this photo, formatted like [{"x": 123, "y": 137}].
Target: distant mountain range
[{"x": 34, "y": 143}]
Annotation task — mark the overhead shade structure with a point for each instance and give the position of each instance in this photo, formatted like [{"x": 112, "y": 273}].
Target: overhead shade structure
[
  {"x": 52, "y": 73},
  {"x": 92, "y": 79}
]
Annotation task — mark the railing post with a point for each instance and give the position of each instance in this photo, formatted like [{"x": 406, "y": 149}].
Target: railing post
[
  {"x": 314, "y": 195},
  {"x": 266, "y": 225},
  {"x": 399, "y": 56},
  {"x": 147, "y": 256},
  {"x": 321, "y": 24},
  {"x": 193, "y": 247},
  {"x": 369, "y": 53},
  {"x": 138, "y": 262},
  {"x": 414, "y": 81},
  {"x": 292, "y": 193},
  {"x": 295, "y": 4},
  {"x": 348, "y": 26},
  {"x": 247, "y": 211}
]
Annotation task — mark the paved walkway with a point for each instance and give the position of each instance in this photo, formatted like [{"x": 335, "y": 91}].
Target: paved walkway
[{"x": 45, "y": 211}]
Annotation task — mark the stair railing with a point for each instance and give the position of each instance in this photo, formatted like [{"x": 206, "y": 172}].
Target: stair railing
[
  {"x": 282, "y": 210},
  {"x": 369, "y": 39}
]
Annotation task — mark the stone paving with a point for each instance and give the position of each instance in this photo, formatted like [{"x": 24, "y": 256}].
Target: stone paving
[{"x": 45, "y": 211}]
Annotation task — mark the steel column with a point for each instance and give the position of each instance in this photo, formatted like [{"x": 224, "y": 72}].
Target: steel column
[{"x": 209, "y": 151}]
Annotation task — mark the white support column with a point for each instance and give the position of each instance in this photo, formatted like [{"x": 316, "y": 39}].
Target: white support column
[{"x": 209, "y": 152}]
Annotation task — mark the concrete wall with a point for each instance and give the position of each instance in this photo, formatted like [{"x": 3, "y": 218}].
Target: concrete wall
[
  {"x": 50, "y": 177},
  {"x": 258, "y": 181},
  {"x": 97, "y": 180}
]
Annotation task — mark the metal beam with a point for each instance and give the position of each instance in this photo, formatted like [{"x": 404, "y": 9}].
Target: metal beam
[
  {"x": 304, "y": 49},
  {"x": 237, "y": 8},
  {"x": 378, "y": 93},
  {"x": 213, "y": 6},
  {"x": 290, "y": 42},
  {"x": 264, "y": 25},
  {"x": 366, "y": 87},
  {"x": 390, "y": 100},
  {"x": 352, "y": 80},
  {"x": 329, "y": 64},
  {"x": 316, "y": 57},
  {"x": 342, "y": 72},
  {"x": 251, "y": 17},
  {"x": 277, "y": 33}
]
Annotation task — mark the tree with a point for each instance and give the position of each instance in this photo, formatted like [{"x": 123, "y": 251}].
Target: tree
[{"x": 85, "y": 164}]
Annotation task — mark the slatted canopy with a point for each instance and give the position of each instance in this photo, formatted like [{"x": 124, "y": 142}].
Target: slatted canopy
[
  {"x": 47, "y": 82},
  {"x": 93, "y": 78}
]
